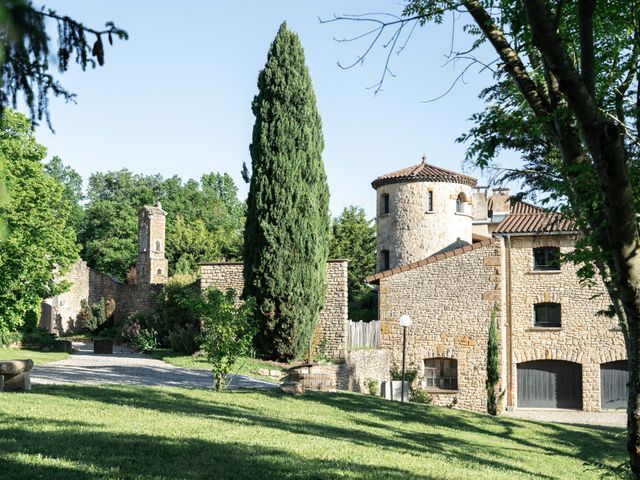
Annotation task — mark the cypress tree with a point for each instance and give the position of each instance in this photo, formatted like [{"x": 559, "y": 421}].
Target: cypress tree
[
  {"x": 286, "y": 239},
  {"x": 493, "y": 375}
]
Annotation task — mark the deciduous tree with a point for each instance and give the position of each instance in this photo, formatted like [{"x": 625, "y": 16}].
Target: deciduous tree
[{"x": 41, "y": 243}]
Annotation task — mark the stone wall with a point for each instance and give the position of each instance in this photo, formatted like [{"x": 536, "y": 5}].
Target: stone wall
[
  {"x": 449, "y": 298},
  {"x": 353, "y": 374},
  {"x": 584, "y": 336},
  {"x": 409, "y": 232},
  {"x": 332, "y": 332},
  {"x": 60, "y": 313}
]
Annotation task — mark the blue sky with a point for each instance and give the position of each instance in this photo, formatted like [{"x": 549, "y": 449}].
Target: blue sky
[{"x": 176, "y": 98}]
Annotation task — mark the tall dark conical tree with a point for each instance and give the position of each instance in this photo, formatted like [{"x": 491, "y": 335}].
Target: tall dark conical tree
[{"x": 287, "y": 231}]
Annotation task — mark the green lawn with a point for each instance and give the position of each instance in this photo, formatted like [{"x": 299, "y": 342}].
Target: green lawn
[
  {"x": 38, "y": 357},
  {"x": 244, "y": 366},
  {"x": 117, "y": 432}
]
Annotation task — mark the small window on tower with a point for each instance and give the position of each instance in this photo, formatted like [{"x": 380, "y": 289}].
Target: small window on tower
[
  {"x": 430, "y": 201},
  {"x": 158, "y": 246},
  {"x": 384, "y": 260},
  {"x": 460, "y": 201},
  {"x": 385, "y": 203},
  {"x": 159, "y": 271}
]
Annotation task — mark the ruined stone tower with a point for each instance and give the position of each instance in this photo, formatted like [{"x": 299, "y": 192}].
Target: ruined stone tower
[
  {"x": 422, "y": 210},
  {"x": 152, "y": 266}
]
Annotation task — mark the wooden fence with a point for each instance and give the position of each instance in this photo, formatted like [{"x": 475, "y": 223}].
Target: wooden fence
[{"x": 364, "y": 334}]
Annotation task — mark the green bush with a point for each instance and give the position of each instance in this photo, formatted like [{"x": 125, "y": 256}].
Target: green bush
[
  {"x": 184, "y": 339},
  {"x": 146, "y": 340},
  {"x": 373, "y": 386},
  {"x": 176, "y": 309},
  {"x": 38, "y": 338},
  {"x": 228, "y": 331},
  {"x": 91, "y": 317},
  {"x": 8, "y": 338},
  {"x": 420, "y": 395}
]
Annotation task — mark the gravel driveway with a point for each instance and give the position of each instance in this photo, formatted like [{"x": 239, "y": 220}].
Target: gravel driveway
[
  {"x": 125, "y": 367},
  {"x": 577, "y": 417}
]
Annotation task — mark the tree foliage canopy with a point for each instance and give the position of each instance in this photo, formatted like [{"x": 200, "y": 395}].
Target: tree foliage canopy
[
  {"x": 26, "y": 53},
  {"x": 354, "y": 239},
  {"x": 287, "y": 228},
  {"x": 41, "y": 242},
  {"x": 204, "y": 219}
]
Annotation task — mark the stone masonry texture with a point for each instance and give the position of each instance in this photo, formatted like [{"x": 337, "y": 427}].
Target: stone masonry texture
[
  {"x": 409, "y": 232},
  {"x": 332, "y": 331}
]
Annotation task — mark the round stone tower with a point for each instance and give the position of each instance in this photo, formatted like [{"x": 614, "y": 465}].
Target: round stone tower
[{"x": 422, "y": 210}]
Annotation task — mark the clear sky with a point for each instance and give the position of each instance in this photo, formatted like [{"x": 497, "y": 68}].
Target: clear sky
[{"x": 176, "y": 98}]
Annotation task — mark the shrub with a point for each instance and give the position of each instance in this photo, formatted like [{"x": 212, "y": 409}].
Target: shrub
[
  {"x": 228, "y": 331},
  {"x": 184, "y": 339},
  {"x": 177, "y": 306},
  {"x": 493, "y": 374},
  {"x": 93, "y": 316},
  {"x": 146, "y": 340},
  {"x": 38, "y": 338},
  {"x": 8, "y": 338},
  {"x": 373, "y": 386},
  {"x": 420, "y": 395}
]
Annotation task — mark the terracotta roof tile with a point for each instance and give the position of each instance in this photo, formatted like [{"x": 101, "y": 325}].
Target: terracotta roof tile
[
  {"x": 541, "y": 222},
  {"x": 423, "y": 172},
  {"x": 428, "y": 260}
]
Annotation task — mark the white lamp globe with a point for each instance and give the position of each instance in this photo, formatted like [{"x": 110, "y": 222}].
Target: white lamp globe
[{"x": 405, "y": 320}]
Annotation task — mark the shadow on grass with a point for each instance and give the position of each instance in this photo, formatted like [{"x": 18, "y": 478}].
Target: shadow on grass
[{"x": 464, "y": 439}]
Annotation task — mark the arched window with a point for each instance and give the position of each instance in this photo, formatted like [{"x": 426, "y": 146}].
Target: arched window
[
  {"x": 159, "y": 271},
  {"x": 461, "y": 199},
  {"x": 158, "y": 246},
  {"x": 441, "y": 373}
]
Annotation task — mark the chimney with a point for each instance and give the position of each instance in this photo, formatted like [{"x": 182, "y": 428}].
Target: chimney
[
  {"x": 479, "y": 203},
  {"x": 501, "y": 201}
]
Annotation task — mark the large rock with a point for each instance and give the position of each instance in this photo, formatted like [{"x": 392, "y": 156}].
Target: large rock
[
  {"x": 16, "y": 375},
  {"x": 13, "y": 367},
  {"x": 18, "y": 383}
]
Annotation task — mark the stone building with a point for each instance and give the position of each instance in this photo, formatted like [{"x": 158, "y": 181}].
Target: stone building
[
  {"x": 447, "y": 253},
  {"x": 59, "y": 313}
]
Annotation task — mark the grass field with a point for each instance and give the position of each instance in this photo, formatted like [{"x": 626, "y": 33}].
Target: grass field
[
  {"x": 82, "y": 432},
  {"x": 244, "y": 366},
  {"x": 38, "y": 357}
]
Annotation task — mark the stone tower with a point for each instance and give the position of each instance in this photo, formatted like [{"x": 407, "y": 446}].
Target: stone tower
[
  {"x": 151, "y": 267},
  {"x": 422, "y": 210}
]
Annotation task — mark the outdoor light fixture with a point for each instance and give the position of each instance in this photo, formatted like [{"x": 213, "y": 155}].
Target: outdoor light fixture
[{"x": 405, "y": 321}]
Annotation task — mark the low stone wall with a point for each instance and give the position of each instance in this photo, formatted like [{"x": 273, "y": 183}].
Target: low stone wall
[
  {"x": 332, "y": 331},
  {"x": 358, "y": 368}
]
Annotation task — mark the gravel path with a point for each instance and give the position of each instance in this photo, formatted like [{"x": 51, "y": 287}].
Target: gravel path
[
  {"x": 577, "y": 417},
  {"x": 125, "y": 367}
]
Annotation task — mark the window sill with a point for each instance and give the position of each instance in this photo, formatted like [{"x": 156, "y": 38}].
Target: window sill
[
  {"x": 544, "y": 272},
  {"x": 384, "y": 215},
  {"x": 615, "y": 329},
  {"x": 430, "y": 212},
  {"x": 440, "y": 391},
  {"x": 462, "y": 214},
  {"x": 543, "y": 329}
]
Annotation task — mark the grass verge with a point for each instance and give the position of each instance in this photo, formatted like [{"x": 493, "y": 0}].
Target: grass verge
[
  {"x": 38, "y": 357},
  {"x": 244, "y": 366},
  {"x": 126, "y": 432}
]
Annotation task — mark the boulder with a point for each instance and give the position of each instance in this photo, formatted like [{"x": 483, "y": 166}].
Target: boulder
[
  {"x": 15, "y": 375},
  {"x": 18, "y": 383},
  {"x": 13, "y": 367},
  {"x": 292, "y": 388}
]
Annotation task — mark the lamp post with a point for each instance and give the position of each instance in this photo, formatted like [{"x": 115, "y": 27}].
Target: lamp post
[{"x": 405, "y": 321}]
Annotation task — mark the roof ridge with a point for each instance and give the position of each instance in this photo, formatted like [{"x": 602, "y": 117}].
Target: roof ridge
[{"x": 431, "y": 259}]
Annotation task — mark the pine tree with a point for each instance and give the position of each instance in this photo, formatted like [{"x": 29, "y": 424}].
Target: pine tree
[
  {"x": 287, "y": 225},
  {"x": 493, "y": 375}
]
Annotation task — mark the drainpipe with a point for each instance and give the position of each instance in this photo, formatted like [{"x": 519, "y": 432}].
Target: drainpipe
[{"x": 509, "y": 330}]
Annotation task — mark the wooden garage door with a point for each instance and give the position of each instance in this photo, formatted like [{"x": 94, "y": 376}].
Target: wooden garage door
[
  {"x": 549, "y": 384},
  {"x": 614, "y": 377}
]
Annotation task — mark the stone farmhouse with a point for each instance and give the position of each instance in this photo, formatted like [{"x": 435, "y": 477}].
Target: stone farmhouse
[{"x": 447, "y": 253}]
